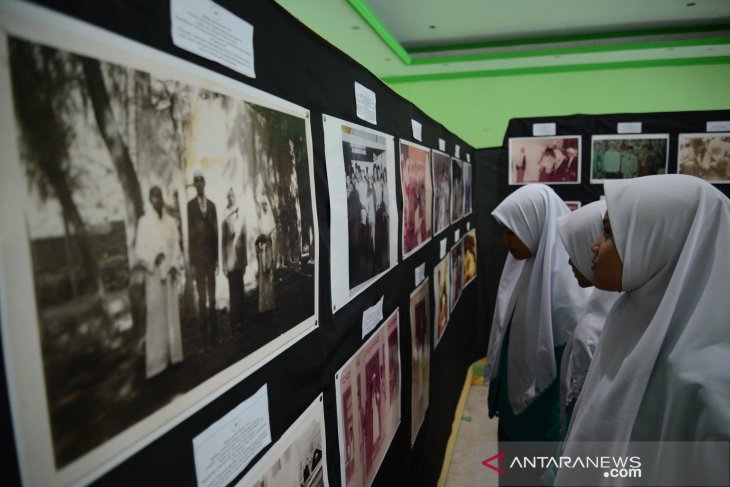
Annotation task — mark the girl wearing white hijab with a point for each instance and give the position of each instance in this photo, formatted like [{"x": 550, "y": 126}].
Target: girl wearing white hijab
[
  {"x": 578, "y": 230},
  {"x": 660, "y": 372},
  {"x": 538, "y": 305}
]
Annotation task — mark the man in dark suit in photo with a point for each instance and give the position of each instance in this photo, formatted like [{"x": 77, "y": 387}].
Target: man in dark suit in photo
[{"x": 203, "y": 248}]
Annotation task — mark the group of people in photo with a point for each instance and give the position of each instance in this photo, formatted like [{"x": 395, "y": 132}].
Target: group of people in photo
[
  {"x": 705, "y": 157},
  {"x": 158, "y": 254},
  {"x": 628, "y": 158},
  {"x": 610, "y": 326},
  {"x": 368, "y": 220}
]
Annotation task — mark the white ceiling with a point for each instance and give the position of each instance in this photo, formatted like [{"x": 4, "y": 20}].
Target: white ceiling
[
  {"x": 418, "y": 23},
  {"x": 676, "y": 33}
]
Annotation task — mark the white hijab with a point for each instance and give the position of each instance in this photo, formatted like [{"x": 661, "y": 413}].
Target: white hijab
[
  {"x": 578, "y": 230},
  {"x": 661, "y": 368},
  {"x": 540, "y": 295}
]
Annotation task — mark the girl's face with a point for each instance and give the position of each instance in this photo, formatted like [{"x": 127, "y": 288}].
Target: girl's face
[
  {"x": 516, "y": 247},
  {"x": 607, "y": 266}
]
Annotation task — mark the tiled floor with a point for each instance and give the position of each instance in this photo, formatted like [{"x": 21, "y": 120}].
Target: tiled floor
[{"x": 476, "y": 441}]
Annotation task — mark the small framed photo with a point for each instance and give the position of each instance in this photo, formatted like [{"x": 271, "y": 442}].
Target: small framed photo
[
  {"x": 706, "y": 156},
  {"x": 628, "y": 156},
  {"x": 548, "y": 160}
]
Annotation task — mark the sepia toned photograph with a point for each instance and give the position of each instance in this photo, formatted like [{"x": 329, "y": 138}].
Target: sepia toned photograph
[
  {"x": 442, "y": 310},
  {"x": 628, "y": 156},
  {"x": 457, "y": 190},
  {"x": 415, "y": 167},
  {"x": 298, "y": 458},
  {"x": 467, "y": 189},
  {"x": 706, "y": 156},
  {"x": 368, "y": 404},
  {"x": 364, "y": 221},
  {"x": 441, "y": 167},
  {"x": 420, "y": 357},
  {"x": 547, "y": 160},
  {"x": 470, "y": 256},
  {"x": 456, "y": 258},
  {"x": 167, "y": 223}
]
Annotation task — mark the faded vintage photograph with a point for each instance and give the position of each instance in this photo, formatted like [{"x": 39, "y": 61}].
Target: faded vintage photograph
[
  {"x": 706, "y": 156},
  {"x": 457, "y": 190},
  {"x": 167, "y": 223},
  {"x": 368, "y": 224},
  {"x": 456, "y": 257},
  {"x": 441, "y": 168},
  {"x": 420, "y": 357},
  {"x": 470, "y": 256},
  {"x": 442, "y": 310},
  {"x": 298, "y": 458},
  {"x": 368, "y": 404},
  {"x": 467, "y": 188},
  {"x": 548, "y": 160},
  {"x": 628, "y": 156},
  {"x": 416, "y": 185},
  {"x": 363, "y": 220}
]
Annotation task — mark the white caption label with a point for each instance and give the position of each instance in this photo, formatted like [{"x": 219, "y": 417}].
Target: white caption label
[
  {"x": 629, "y": 128},
  {"x": 417, "y": 130},
  {"x": 544, "y": 129},
  {"x": 208, "y": 30},
  {"x": 372, "y": 316},
  {"x": 442, "y": 145},
  {"x": 365, "y": 102},
  {"x": 718, "y": 126}
]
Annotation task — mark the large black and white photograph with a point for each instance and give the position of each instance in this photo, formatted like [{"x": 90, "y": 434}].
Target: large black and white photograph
[
  {"x": 547, "y": 160},
  {"x": 298, "y": 458},
  {"x": 166, "y": 225},
  {"x": 706, "y": 156},
  {"x": 628, "y": 156},
  {"x": 441, "y": 168},
  {"x": 364, "y": 220}
]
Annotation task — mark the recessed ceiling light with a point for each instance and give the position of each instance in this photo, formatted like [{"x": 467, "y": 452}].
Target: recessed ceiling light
[
  {"x": 691, "y": 4},
  {"x": 431, "y": 26},
  {"x": 387, "y": 59},
  {"x": 355, "y": 27}
]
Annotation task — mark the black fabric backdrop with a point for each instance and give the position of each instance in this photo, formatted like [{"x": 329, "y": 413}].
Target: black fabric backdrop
[
  {"x": 492, "y": 167},
  {"x": 297, "y": 65}
]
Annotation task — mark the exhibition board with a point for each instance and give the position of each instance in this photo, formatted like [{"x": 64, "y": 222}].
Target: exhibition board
[{"x": 205, "y": 235}]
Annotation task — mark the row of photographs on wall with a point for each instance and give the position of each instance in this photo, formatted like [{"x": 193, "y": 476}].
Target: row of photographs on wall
[
  {"x": 557, "y": 160},
  {"x": 164, "y": 214},
  {"x": 436, "y": 191},
  {"x": 368, "y": 385}
]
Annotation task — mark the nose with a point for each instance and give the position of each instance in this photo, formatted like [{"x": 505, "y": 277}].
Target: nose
[{"x": 597, "y": 244}]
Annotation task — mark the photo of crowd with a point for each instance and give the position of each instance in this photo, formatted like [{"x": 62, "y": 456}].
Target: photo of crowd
[
  {"x": 420, "y": 356},
  {"x": 628, "y": 156},
  {"x": 367, "y": 204},
  {"x": 548, "y": 160},
  {"x": 706, "y": 156},
  {"x": 457, "y": 190},
  {"x": 442, "y": 311}
]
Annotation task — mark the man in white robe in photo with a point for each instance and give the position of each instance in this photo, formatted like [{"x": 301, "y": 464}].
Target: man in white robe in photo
[{"x": 157, "y": 251}]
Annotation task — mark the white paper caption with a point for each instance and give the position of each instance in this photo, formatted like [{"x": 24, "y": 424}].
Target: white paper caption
[
  {"x": 372, "y": 316},
  {"x": 457, "y": 234},
  {"x": 457, "y": 151},
  {"x": 442, "y": 145},
  {"x": 420, "y": 273},
  {"x": 629, "y": 128},
  {"x": 443, "y": 249},
  {"x": 544, "y": 129},
  {"x": 718, "y": 126},
  {"x": 468, "y": 226},
  {"x": 212, "y": 32},
  {"x": 365, "y": 102},
  {"x": 224, "y": 449},
  {"x": 417, "y": 130},
  {"x": 468, "y": 158}
]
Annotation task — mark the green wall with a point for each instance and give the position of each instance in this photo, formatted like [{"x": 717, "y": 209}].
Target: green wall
[{"x": 478, "y": 109}]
